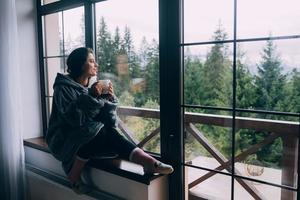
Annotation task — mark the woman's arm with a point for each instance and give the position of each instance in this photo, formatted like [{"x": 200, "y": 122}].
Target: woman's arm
[
  {"x": 96, "y": 90},
  {"x": 76, "y": 110}
]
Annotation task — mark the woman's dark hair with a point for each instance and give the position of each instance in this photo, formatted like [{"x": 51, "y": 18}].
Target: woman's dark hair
[{"x": 76, "y": 60}]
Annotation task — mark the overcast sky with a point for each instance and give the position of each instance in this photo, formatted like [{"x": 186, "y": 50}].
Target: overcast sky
[{"x": 255, "y": 18}]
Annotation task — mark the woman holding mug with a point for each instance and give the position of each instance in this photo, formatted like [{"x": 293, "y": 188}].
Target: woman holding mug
[{"x": 82, "y": 121}]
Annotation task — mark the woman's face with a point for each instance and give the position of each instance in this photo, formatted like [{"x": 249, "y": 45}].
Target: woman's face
[{"x": 90, "y": 67}]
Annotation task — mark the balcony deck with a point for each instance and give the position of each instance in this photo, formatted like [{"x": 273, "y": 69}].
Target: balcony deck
[{"x": 207, "y": 189}]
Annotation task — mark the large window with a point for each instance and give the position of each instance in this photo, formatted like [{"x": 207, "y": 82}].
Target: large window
[
  {"x": 241, "y": 98},
  {"x": 237, "y": 83}
]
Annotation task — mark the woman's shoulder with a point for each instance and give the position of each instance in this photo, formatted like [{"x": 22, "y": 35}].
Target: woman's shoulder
[{"x": 64, "y": 82}]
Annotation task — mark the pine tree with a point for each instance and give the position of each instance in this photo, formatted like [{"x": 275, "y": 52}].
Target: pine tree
[
  {"x": 116, "y": 47},
  {"x": 152, "y": 72},
  {"x": 104, "y": 48},
  {"x": 127, "y": 45},
  {"x": 193, "y": 77},
  {"x": 295, "y": 94},
  {"x": 128, "y": 48},
  {"x": 148, "y": 59},
  {"x": 217, "y": 79},
  {"x": 117, "y": 42},
  {"x": 245, "y": 88},
  {"x": 270, "y": 83},
  {"x": 143, "y": 53},
  {"x": 270, "y": 80}
]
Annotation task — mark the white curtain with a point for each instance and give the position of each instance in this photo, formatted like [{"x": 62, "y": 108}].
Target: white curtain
[{"x": 12, "y": 177}]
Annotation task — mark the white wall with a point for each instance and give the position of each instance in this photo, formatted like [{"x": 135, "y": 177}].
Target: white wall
[{"x": 29, "y": 68}]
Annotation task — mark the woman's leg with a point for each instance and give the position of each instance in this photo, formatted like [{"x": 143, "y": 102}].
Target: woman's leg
[
  {"x": 130, "y": 152},
  {"x": 150, "y": 164},
  {"x": 75, "y": 172},
  {"x": 83, "y": 155},
  {"x": 110, "y": 140},
  {"x": 74, "y": 177}
]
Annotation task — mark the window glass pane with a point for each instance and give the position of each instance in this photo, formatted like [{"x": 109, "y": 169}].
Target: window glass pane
[
  {"x": 203, "y": 18},
  {"x": 53, "y": 66},
  {"x": 268, "y": 75},
  {"x": 267, "y": 147},
  {"x": 207, "y": 138},
  {"x": 74, "y": 32},
  {"x": 208, "y": 75},
  {"x": 263, "y": 191},
  {"x": 261, "y": 18},
  {"x": 144, "y": 131},
  {"x": 53, "y": 34},
  {"x": 217, "y": 186},
  {"x": 127, "y": 53},
  {"x": 44, "y": 2},
  {"x": 127, "y": 48}
]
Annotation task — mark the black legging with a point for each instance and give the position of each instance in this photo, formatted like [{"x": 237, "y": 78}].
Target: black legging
[{"x": 108, "y": 140}]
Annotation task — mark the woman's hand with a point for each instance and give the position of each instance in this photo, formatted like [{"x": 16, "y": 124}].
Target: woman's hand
[
  {"x": 111, "y": 89},
  {"x": 97, "y": 89}
]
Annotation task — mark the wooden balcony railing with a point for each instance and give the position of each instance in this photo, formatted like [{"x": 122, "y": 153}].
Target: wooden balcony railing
[{"x": 286, "y": 130}]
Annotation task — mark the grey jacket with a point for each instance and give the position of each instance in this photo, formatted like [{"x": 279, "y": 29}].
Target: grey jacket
[{"x": 76, "y": 118}]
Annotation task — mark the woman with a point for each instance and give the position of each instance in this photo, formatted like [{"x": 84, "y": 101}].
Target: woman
[{"x": 82, "y": 121}]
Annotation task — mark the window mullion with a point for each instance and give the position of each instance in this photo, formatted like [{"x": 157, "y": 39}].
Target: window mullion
[
  {"x": 89, "y": 18},
  {"x": 171, "y": 114}
]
